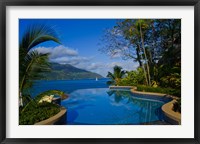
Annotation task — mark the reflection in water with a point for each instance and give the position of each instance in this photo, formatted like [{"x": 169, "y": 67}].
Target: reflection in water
[
  {"x": 102, "y": 106},
  {"x": 147, "y": 107}
]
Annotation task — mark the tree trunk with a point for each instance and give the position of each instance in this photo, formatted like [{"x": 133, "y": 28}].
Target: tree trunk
[
  {"x": 145, "y": 73},
  {"x": 142, "y": 40},
  {"x": 20, "y": 99},
  {"x": 138, "y": 55}
]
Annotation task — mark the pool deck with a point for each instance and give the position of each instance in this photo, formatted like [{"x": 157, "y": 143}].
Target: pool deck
[{"x": 170, "y": 116}]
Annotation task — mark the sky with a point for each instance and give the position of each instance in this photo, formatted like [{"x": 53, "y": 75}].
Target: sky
[{"x": 80, "y": 40}]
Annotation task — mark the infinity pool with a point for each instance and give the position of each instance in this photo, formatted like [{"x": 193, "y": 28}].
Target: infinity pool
[{"x": 102, "y": 106}]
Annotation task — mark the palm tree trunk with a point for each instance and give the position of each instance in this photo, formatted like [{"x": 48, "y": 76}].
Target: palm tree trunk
[
  {"x": 20, "y": 99},
  {"x": 24, "y": 76},
  {"x": 142, "y": 40}
]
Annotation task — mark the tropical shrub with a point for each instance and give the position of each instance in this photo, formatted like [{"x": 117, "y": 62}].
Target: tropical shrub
[
  {"x": 170, "y": 91},
  {"x": 173, "y": 81},
  {"x": 36, "y": 110},
  {"x": 37, "y": 113},
  {"x": 133, "y": 78},
  {"x": 177, "y": 106}
]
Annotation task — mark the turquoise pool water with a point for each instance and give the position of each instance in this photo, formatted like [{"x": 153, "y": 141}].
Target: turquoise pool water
[
  {"x": 92, "y": 103},
  {"x": 101, "y": 106}
]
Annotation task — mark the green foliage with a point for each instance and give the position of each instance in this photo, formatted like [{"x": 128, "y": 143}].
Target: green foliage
[
  {"x": 154, "y": 43},
  {"x": 173, "y": 81},
  {"x": 34, "y": 102},
  {"x": 169, "y": 91},
  {"x": 177, "y": 106},
  {"x": 32, "y": 63},
  {"x": 133, "y": 78},
  {"x": 36, "y": 34},
  {"x": 154, "y": 84},
  {"x": 36, "y": 113},
  {"x": 116, "y": 76}
]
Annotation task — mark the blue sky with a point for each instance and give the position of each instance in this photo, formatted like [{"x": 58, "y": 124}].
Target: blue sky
[{"x": 80, "y": 39}]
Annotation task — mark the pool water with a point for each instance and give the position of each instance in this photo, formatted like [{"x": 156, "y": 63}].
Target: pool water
[
  {"x": 91, "y": 102},
  {"x": 102, "y": 106}
]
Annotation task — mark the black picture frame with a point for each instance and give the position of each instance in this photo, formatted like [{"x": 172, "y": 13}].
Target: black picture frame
[{"x": 5, "y": 3}]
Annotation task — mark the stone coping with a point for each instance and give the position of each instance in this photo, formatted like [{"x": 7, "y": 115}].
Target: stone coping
[
  {"x": 53, "y": 119},
  {"x": 122, "y": 87},
  {"x": 170, "y": 115},
  {"x": 147, "y": 93}
]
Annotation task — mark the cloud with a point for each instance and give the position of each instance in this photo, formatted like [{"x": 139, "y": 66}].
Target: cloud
[
  {"x": 94, "y": 66},
  {"x": 103, "y": 68},
  {"x": 65, "y": 55},
  {"x": 58, "y": 51}
]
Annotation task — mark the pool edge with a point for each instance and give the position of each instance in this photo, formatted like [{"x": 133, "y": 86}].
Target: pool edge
[
  {"x": 53, "y": 119},
  {"x": 170, "y": 115}
]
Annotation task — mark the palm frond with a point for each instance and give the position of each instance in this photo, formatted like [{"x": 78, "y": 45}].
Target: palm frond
[
  {"x": 110, "y": 82},
  {"x": 33, "y": 65},
  {"x": 116, "y": 75},
  {"x": 37, "y": 34},
  {"x": 110, "y": 75}
]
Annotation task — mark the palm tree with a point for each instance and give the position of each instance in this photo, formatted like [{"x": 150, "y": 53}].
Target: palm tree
[
  {"x": 32, "y": 63},
  {"x": 116, "y": 76}
]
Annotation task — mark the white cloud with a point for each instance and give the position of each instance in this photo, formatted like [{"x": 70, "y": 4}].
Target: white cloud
[
  {"x": 103, "y": 68},
  {"x": 94, "y": 66},
  {"x": 65, "y": 55},
  {"x": 58, "y": 51}
]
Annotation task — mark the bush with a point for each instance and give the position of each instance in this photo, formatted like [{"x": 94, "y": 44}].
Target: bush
[
  {"x": 173, "y": 81},
  {"x": 34, "y": 114},
  {"x": 133, "y": 78},
  {"x": 170, "y": 91},
  {"x": 177, "y": 106}
]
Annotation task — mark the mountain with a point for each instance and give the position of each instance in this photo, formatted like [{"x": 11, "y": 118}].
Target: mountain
[{"x": 68, "y": 72}]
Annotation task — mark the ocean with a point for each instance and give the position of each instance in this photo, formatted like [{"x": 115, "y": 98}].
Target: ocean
[{"x": 68, "y": 86}]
